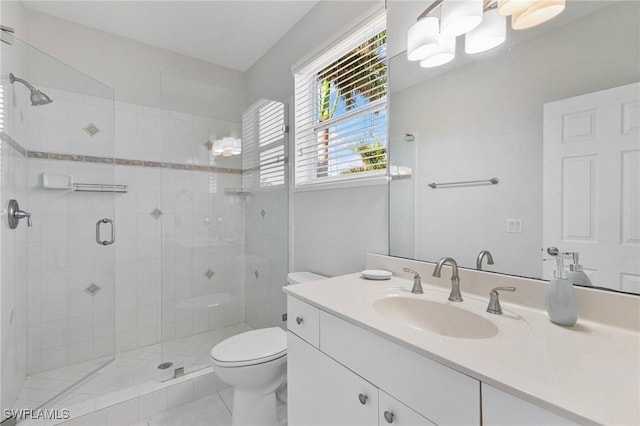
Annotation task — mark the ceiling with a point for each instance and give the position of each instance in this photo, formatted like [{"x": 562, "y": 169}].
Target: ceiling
[{"x": 233, "y": 34}]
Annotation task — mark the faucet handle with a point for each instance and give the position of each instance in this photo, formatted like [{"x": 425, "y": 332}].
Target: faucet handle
[
  {"x": 494, "y": 300},
  {"x": 415, "y": 274},
  {"x": 417, "y": 283}
]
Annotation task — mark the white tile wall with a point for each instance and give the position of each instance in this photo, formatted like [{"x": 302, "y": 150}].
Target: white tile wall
[
  {"x": 66, "y": 324},
  {"x": 201, "y": 228},
  {"x": 266, "y": 247}
]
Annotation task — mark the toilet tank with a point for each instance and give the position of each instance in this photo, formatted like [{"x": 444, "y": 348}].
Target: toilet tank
[{"x": 303, "y": 277}]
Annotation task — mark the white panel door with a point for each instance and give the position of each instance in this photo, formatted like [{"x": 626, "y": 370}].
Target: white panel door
[{"x": 591, "y": 197}]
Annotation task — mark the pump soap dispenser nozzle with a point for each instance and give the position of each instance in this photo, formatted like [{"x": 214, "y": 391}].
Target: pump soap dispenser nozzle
[{"x": 577, "y": 276}]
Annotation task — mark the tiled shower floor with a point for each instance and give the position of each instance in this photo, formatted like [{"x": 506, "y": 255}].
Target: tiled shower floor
[{"x": 132, "y": 371}]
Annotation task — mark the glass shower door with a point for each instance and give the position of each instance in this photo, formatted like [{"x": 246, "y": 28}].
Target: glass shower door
[
  {"x": 58, "y": 275},
  {"x": 202, "y": 222}
]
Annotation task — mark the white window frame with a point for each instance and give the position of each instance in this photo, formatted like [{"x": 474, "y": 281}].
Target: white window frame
[{"x": 306, "y": 175}]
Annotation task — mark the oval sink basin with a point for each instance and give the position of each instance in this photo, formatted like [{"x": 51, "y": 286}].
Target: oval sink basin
[{"x": 434, "y": 317}]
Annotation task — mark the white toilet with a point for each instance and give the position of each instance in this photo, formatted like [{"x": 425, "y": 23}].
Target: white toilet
[{"x": 255, "y": 364}]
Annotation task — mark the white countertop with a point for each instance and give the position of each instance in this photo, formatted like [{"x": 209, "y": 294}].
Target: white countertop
[{"x": 589, "y": 373}]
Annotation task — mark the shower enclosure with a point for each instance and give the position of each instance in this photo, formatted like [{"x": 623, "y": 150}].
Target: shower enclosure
[
  {"x": 157, "y": 231},
  {"x": 57, "y": 273}
]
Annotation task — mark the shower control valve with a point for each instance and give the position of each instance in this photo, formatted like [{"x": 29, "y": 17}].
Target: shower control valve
[{"x": 14, "y": 214}]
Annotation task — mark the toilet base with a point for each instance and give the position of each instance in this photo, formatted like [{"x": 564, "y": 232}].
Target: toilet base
[{"x": 254, "y": 409}]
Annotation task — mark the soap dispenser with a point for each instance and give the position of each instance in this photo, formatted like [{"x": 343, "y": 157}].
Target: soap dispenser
[
  {"x": 577, "y": 276},
  {"x": 562, "y": 302}
]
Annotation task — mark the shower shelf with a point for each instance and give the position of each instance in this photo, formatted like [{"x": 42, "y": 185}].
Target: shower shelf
[{"x": 98, "y": 187}]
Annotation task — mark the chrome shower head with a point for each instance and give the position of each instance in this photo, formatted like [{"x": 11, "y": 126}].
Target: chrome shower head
[{"x": 37, "y": 97}]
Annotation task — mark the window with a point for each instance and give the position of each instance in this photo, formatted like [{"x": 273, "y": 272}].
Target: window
[
  {"x": 264, "y": 134},
  {"x": 340, "y": 110}
]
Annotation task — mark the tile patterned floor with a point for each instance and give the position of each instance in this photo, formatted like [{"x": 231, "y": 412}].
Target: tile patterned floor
[
  {"x": 214, "y": 410},
  {"x": 129, "y": 369}
]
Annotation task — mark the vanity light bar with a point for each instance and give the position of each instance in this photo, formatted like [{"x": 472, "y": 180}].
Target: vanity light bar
[
  {"x": 488, "y": 4},
  {"x": 430, "y": 9}
]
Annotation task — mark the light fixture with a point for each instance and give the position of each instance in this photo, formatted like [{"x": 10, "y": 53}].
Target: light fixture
[
  {"x": 237, "y": 147},
  {"x": 509, "y": 7},
  {"x": 422, "y": 38},
  {"x": 482, "y": 21},
  {"x": 445, "y": 53},
  {"x": 460, "y": 16},
  {"x": 491, "y": 33},
  {"x": 540, "y": 12},
  {"x": 226, "y": 146}
]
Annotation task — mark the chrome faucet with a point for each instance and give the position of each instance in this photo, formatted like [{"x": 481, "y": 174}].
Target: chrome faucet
[
  {"x": 417, "y": 283},
  {"x": 455, "y": 295},
  {"x": 481, "y": 256}
]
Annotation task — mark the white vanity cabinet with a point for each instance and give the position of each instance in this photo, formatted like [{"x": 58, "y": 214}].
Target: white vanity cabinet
[
  {"x": 426, "y": 361},
  {"x": 304, "y": 320},
  {"x": 502, "y": 409},
  {"x": 322, "y": 392},
  {"x": 326, "y": 384},
  {"x": 393, "y": 412}
]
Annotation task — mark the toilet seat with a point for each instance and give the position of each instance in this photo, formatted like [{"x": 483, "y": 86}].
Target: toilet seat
[{"x": 250, "y": 348}]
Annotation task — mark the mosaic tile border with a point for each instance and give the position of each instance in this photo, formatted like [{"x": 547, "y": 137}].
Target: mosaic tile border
[
  {"x": 13, "y": 144},
  {"x": 109, "y": 160}
]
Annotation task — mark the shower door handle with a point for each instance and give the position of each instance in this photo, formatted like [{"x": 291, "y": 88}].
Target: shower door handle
[{"x": 113, "y": 232}]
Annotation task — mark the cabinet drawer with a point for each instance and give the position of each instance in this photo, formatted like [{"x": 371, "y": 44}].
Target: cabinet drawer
[
  {"x": 303, "y": 320},
  {"x": 401, "y": 414},
  {"x": 441, "y": 394},
  {"x": 502, "y": 409}
]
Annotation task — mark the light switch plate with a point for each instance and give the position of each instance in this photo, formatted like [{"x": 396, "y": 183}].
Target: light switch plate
[{"x": 514, "y": 226}]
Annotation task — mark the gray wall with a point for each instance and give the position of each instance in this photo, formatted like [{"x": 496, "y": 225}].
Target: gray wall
[
  {"x": 134, "y": 70},
  {"x": 331, "y": 229}
]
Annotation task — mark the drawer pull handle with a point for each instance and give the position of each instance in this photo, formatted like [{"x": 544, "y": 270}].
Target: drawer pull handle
[
  {"x": 363, "y": 398},
  {"x": 388, "y": 416},
  {"x": 299, "y": 320}
]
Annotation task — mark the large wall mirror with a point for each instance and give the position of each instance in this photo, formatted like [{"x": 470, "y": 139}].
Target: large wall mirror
[{"x": 554, "y": 114}]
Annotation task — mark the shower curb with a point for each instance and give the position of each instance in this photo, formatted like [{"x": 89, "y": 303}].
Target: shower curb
[{"x": 139, "y": 402}]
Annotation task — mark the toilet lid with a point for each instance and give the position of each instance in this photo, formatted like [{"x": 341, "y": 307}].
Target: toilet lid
[{"x": 251, "y": 347}]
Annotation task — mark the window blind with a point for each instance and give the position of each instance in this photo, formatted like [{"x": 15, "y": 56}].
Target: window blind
[
  {"x": 340, "y": 110},
  {"x": 263, "y": 154}
]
